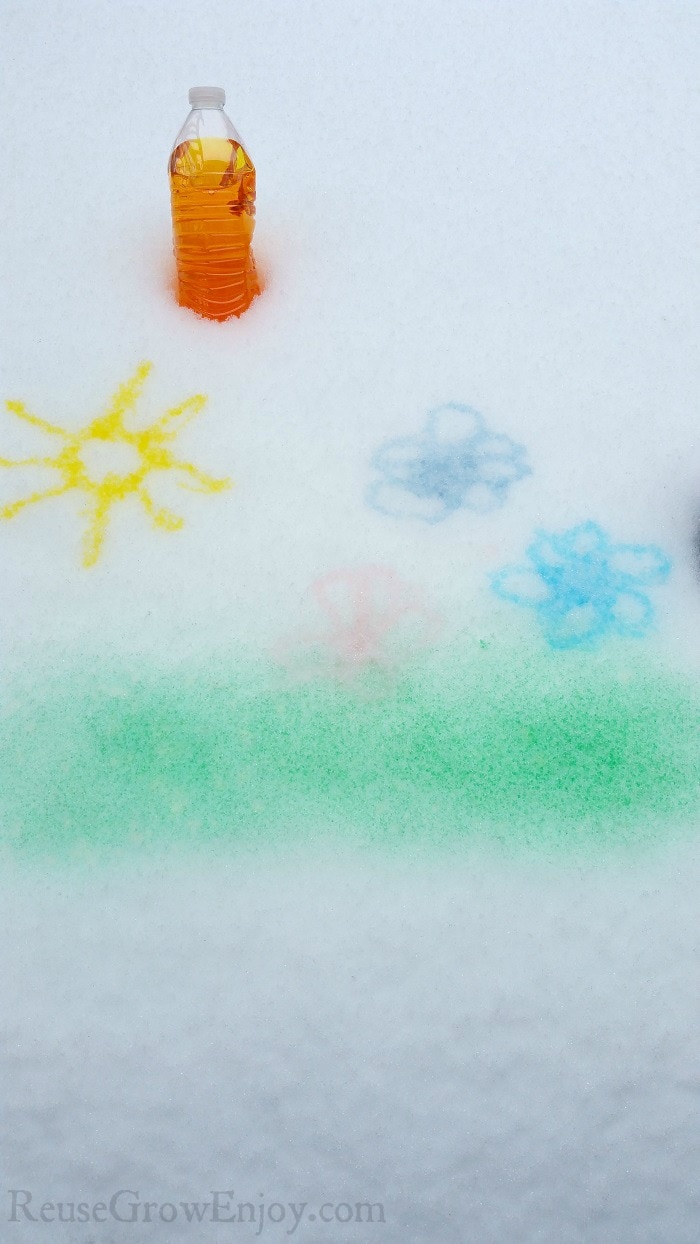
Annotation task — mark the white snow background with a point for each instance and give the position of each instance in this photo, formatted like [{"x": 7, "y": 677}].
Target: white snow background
[{"x": 489, "y": 203}]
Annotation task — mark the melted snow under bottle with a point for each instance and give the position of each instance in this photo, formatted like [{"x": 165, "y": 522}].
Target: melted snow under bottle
[{"x": 212, "y": 193}]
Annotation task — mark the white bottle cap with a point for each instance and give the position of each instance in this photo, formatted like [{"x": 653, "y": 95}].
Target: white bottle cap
[{"x": 207, "y": 97}]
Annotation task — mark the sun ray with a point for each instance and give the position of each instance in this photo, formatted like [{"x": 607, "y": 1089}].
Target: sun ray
[
  {"x": 19, "y": 410},
  {"x": 127, "y": 394},
  {"x": 161, "y": 516},
  {"x": 104, "y": 491},
  {"x": 185, "y": 412},
  {"x": 96, "y": 532},
  {"x": 25, "y": 462},
  {"x": 9, "y": 511},
  {"x": 207, "y": 483}
]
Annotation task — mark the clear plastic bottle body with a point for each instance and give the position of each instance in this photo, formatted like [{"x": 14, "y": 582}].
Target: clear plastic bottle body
[{"x": 212, "y": 194}]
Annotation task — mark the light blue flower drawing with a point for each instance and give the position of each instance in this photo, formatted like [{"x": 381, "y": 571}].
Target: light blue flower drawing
[
  {"x": 454, "y": 463},
  {"x": 583, "y": 587}
]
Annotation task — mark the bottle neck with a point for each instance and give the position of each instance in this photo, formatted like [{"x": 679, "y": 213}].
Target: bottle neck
[{"x": 208, "y": 122}]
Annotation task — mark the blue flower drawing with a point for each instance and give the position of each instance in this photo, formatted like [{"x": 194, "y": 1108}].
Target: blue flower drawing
[
  {"x": 454, "y": 463},
  {"x": 582, "y": 587}
]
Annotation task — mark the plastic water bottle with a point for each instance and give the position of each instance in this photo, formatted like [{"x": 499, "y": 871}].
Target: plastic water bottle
[{"x": 212, "y": 194}]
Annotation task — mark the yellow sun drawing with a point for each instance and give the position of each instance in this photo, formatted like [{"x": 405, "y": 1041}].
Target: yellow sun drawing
[{"x": 148, "y": 451}]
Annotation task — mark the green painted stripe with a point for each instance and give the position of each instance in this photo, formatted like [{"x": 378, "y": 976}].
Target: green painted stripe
[{"x": 475, "y": 743}]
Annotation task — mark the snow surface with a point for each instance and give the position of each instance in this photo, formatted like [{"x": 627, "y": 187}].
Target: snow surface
[{"x": 494, "y": 204}]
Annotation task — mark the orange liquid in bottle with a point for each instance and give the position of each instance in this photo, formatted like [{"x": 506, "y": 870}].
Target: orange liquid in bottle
[{"x": 212, "y": 193}]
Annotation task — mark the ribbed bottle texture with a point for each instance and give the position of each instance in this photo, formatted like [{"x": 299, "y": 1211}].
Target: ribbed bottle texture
[{"x": 212, "y": 191}]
